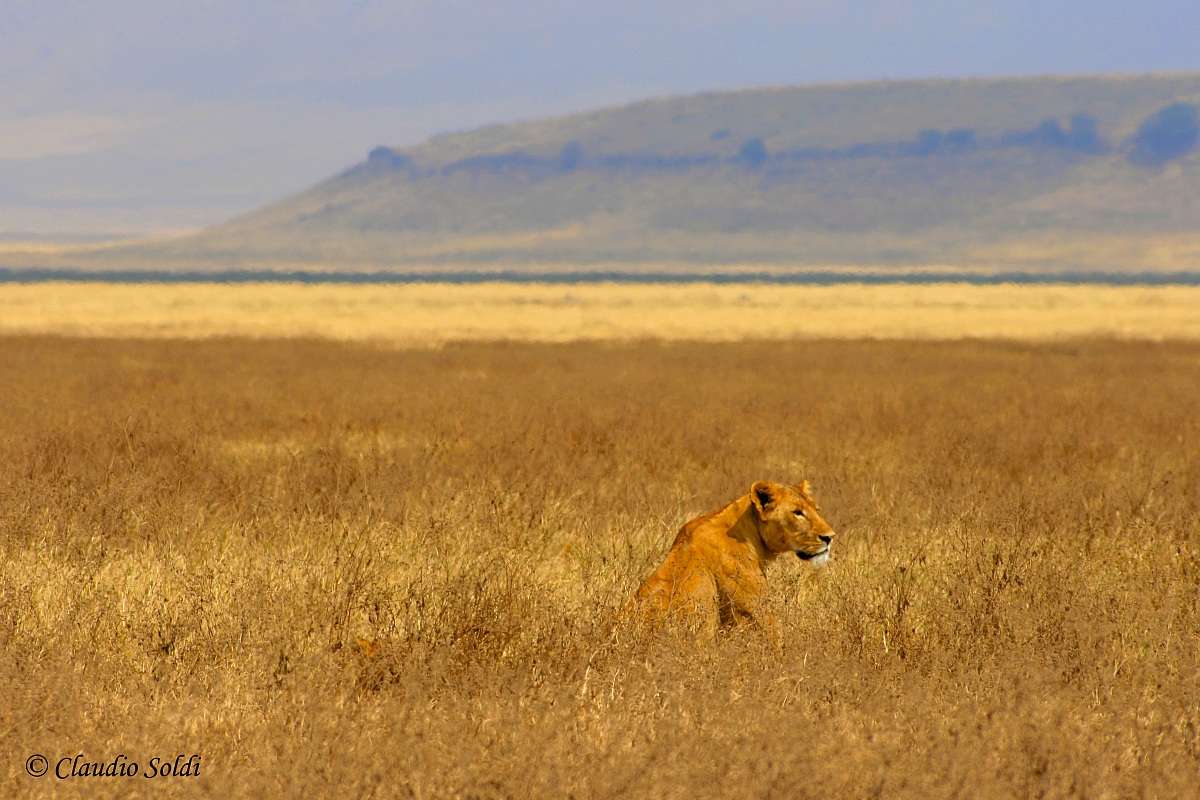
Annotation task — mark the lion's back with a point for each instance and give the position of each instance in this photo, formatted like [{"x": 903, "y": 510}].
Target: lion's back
[{"x": 685, "y": 583}]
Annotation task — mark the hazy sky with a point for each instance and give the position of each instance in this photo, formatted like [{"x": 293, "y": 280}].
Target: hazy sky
[{"x": 143, "y": 115}]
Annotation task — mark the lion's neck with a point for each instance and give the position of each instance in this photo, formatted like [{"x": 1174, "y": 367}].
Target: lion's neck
[{"x": 739, "y": 519}]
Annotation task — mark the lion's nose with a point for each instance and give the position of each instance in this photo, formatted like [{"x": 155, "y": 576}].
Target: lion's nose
[{"x": 826, "y": 538}]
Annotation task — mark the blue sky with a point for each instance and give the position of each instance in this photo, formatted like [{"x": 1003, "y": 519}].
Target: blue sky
[{"x": 138, "y": 116}]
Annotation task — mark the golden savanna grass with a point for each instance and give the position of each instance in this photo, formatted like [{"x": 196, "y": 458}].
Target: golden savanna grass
[
  {"x": 192, "y": 532},
  {"x": 425, "y": 313}
]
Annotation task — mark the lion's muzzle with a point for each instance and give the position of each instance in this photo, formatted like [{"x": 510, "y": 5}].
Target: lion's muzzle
[{"x": 818, "y": 559}]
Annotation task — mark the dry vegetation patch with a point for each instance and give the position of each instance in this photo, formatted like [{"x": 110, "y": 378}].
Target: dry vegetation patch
[
  {"x": 192, "y": 532},
  {"x": 437, "y": 313}
]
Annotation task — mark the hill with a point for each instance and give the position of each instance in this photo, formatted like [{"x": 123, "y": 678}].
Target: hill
[{"x": 1047, "y": 173}]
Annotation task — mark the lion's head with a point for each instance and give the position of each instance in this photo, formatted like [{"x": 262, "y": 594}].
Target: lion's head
[{"x": 789, "y": 521}]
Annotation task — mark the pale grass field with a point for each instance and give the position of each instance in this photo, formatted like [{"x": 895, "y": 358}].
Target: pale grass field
[{"x": 432, "y": 313}]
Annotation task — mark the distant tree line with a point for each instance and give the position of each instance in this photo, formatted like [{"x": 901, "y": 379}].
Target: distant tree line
[
  {"x": 1082, "y": 136},
  {"x": 1168, "y": 134}
]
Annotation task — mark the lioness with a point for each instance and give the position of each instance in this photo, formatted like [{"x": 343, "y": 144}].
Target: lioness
[{"x": 714, "y": 575}]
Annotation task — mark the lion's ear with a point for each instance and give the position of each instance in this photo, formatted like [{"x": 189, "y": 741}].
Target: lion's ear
[
  {"x": 805, "y": 489},
  {"x": 762, "y": 494}
]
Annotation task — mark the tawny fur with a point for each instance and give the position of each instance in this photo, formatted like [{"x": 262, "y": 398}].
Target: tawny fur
[{"x": 715, "y": 573}]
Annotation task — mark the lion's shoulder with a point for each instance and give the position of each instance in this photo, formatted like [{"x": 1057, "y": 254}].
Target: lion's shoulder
[{"x": 692, "y": 526}]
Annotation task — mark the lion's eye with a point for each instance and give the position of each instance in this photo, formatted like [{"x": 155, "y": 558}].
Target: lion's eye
[{"x": 799, "y": 512}]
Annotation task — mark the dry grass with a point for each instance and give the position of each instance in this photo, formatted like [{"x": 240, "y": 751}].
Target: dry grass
[
  {"x": 191, "y": 530},
  {"x": 439, "y": 312}
]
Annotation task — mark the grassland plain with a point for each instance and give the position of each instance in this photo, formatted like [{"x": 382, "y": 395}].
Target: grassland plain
[
  {"x": 432, "y": 313},
  {"x": 192, "y": 531}
]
